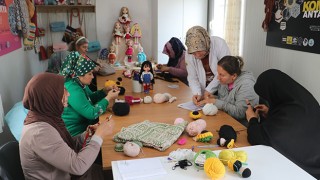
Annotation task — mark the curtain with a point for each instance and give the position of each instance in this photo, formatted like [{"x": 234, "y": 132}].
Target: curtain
[
  {"x": 1, "y": 115},
  {"x": 232, "y": 25}
]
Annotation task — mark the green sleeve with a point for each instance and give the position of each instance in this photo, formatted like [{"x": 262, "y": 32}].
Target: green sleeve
[
  {"x": 95, "y": 96},
  {"x": 79, "y": 102}
]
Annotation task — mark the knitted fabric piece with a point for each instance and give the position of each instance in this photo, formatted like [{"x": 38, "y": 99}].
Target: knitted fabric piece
[{"x": 153, "y": 134}]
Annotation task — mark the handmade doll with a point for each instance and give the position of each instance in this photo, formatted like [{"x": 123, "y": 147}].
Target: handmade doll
[
  {"x": 127, "y": 36},
  {"x": 141, "y": 56},
  {"x": 124, "y": 16},
  {"x": 146, "y": 76},
  {"x": 112, "y": 55},
  {"x": 136, "y": 33},
  {"x": 129, "y": 50},
  {"x": 117, "y": 32},
  {"x": 89, "y": 2}
]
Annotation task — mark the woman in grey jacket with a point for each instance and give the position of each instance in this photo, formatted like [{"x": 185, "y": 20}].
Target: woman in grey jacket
[{"x": 235, "y": 87}]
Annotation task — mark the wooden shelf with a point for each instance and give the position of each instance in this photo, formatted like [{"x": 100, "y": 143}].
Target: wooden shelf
[{"x": 64, "y": 8}]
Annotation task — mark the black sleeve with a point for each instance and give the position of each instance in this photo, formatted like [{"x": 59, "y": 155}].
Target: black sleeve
[{"x": 256, "y": 133}]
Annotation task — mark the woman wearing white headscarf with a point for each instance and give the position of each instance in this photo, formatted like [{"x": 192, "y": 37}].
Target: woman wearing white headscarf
[{"x": 204, "y": 52}]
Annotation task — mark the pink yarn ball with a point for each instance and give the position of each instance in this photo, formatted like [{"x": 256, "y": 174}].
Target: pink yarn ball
[
  {"x": 178, "y": 121},
  {"x": 196, "y": 127},
  {"x": 131, "y": 149}
]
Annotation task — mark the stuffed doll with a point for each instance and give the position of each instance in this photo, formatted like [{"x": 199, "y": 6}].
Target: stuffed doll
[
  {"x": 127, "y": 36},
  {"x": 146, "y": 76},
  {"x": 117, "y": 32},
  {"x": 129, "y": 50},
  {"x": 124, "y": 17},
  {"x": 136, "y": 33},
  {"x": 112, "y": 55},
  {"x": 141, "y": 56}
]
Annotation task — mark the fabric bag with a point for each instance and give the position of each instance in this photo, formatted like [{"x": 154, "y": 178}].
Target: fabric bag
[
  {"x": 57, "y": 26},
  {"x": 60, "y": 46},
  {"x": 106, "y": 69},
  {"x": 71, "y": 33},
  {"x": 94, "y": 46}
]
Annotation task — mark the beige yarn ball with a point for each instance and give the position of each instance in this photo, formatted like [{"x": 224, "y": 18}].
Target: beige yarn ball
[
  {"x": 131, "y": 149},
  {"x": 210, "y": 109},
  {"x": 196, "y": 127},
  {"x": 159, "y": 98},
  {"x": 178, "y": 121},
  {"x": 147, "y": 99}
]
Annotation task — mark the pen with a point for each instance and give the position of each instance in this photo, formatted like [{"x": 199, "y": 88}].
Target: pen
[{"x": 108, "y": 118}]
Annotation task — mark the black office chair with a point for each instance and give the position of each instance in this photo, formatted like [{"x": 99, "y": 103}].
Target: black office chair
[{"x": 10, "y": 166}]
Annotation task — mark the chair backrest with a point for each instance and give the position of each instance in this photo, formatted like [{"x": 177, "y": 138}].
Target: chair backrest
[{"x": 10, "y": 166}]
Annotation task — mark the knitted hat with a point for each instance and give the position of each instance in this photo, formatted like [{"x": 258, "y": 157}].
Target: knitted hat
[
  {"x": 84, "y": 66},
  {"x": 197, "y": 39},
  {"x": 121, "y": 108}
]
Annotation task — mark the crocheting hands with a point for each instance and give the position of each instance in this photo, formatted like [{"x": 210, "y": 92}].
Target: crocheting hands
[
  {"x": 112, "y": 94},
  {"x": 105, "y": 128},
  {"x": 262, "y": 109},
  {"x": 207, "y": 95},
  {"x": 163, "y": 68},
  {"x": 211, "y": 100},
  {"x": 250, "y": 112},
  {"x": 108, "y": 88}
]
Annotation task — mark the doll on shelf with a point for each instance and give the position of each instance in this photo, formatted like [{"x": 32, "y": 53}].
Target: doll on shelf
[
  {"x": 127, "y": 36},
  {"x": 146, "y": 76},
  {"x": 141, "y": 56},
  {"x": 117, "y": 32},
  {"x": 112, "y": 55},
  {"x": 124, "y": 17},
  {"x": 88, "y": 2},
  {"x": 136, "y": 33},
  {"x": 129, "y": 50}
]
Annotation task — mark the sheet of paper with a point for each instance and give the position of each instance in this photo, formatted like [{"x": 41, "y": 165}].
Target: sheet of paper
[
  {"x": 140, "y": 168},
  {"x": 190, "y": 106}
]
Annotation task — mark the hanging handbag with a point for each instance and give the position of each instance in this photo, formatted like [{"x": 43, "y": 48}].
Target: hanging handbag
[
  {"x": 94, "y": 46},
  {"x": 71, "y": 33},
  {"x": 105, "y": 69}
]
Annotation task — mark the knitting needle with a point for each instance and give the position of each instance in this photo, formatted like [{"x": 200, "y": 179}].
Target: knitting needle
[
  {"x": 108, "y": 118},
  {"x": 208, "y": 146}
]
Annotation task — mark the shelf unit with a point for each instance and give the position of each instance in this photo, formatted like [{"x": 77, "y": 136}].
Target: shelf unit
[{"x": 64, "y": 8}]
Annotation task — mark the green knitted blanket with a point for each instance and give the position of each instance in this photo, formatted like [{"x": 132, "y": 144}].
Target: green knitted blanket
[{"x": 153, "y": 134}]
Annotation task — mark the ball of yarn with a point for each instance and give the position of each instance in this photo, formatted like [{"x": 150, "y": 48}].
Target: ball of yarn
[
  {"x": 147, "y": 99},
  {"x": 226, "y": 155},
  {"x": 214, "y": 168},
  {"x": 131, "y": 149},
  {"x": 196, "y": 127},
  {"x": 241, "y": 156},
  {"x": 178, "y": 121},
  {"x": 201, "y": 157},
  {"x": 209, "y": 109},
  {"x": 181, "y": 154},
  {"x": 168, "y": 96},
  {"x": 109, "y": 83},
  {"x": 121, "y": 108},
  {"x": 159, "y": 98},
  {"x": 119, "y": 147}
]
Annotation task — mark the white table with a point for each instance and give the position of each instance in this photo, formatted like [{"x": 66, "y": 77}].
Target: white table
[{"x": 264, "y": 161}]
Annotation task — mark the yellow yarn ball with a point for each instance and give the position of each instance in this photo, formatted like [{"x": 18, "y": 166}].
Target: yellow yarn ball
[
  {"x": 226, "y": 155},
  {"x": 109, "y": 83},
  {"x": 241, "y": 156},
  {"x": 214, "y": 168}
]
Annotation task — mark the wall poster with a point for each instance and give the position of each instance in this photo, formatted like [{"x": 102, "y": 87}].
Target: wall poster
[
  {"x": 295, "y": 24},
  {"x": 8, "y": 41}
]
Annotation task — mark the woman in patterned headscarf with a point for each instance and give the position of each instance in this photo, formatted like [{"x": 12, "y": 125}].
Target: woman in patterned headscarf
[
  {"x": 84, "y": 106},
  {"x": 176, "y": 65},
  {"x": 204, "y": 52},
  {"x": 47, "y": 150}
]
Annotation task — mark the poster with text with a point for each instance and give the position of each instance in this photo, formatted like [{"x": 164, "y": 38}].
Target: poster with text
[
  {"x": 295, "y": 25},
  {"x": 8, "y": 41}
]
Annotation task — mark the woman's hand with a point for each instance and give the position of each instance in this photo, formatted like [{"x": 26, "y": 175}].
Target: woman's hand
[
  {"x": 262, "y": 109},
  {"x": 249, "y": 112},
  {"x": 196, "y": 99},
  {"x": 112, "y": 94},
  {"x": 92, "y": 129},
  {"x": 105, "y": 128},
  {"x": 207, "y": 95},
  {"x": 207, "y": 100},
  {"x": 164, "y": 68},
  {"x": 108, "y": 88}
]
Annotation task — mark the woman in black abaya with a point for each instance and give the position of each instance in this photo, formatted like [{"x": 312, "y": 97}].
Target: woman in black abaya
[{"x": 291, "y": 122}]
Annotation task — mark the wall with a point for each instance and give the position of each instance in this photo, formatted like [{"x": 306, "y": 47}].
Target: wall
[
  {"x": 107, "y": 13},
  {"x": 16, "y": 69},
  {"x": 301, "y": 66}
]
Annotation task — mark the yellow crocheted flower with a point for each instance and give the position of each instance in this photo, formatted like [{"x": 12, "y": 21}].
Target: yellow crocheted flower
[
  {"x": 195, "y": 115},
  {"x": 204, "y": 137}
]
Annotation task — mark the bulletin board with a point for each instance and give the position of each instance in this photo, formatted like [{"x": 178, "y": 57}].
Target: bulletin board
[
  {"x": 8, "y": 41},
  {"x": 295, "y": 25}
]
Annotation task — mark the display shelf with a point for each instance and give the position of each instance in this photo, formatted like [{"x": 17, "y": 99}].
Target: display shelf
[{"x": 64, "y": 8}]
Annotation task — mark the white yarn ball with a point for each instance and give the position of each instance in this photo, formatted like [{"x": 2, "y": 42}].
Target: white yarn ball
[
  {"x": 159, "y": 98},
  {"x": 209, "y": 109},
  {"x": 147, "y": 99},
  {"x": 131, "y": 149},
  {"x": 168, "y": 96},
  {"x": 178, "y": 121},
  {"x": 196, "y": 127}
]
